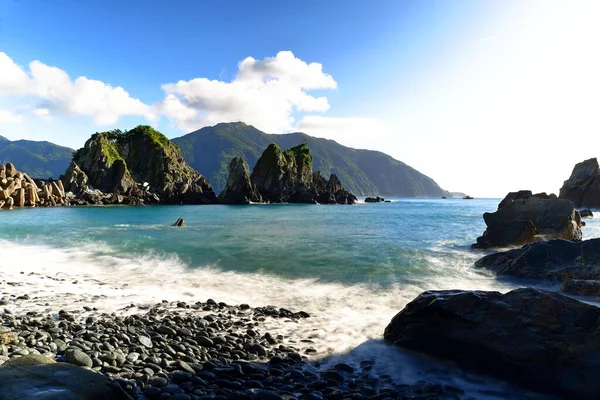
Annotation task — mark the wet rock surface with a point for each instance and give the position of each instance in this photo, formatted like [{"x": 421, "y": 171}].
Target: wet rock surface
[
  {"x": 537, "y": 338},
  {"x": 557, "y": 260}
]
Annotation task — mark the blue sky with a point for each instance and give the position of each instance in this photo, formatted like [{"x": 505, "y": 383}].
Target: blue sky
[{"x": 457, "y": 89}]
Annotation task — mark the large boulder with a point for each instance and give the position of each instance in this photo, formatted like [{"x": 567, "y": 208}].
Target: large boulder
[
  {"x": 537, "y": 338},
  {"x": 523, "y": 217},
  {"x": 122, "y": 162},
  {"x": 287, "y": 177},
  {"x": 34, "y": 377},
  {"x": 583, "y": 187},
  {"x": 239, "y": 188},
  {"x": 558, "y": 260}
]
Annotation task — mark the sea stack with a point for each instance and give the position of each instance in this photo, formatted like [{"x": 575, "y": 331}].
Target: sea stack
[
  {"x": 283, "y": 177},
  {"x": 140, "y": 164}
]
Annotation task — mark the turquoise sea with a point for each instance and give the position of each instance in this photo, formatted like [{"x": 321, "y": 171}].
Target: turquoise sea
[{"x": 351, "y": 267}]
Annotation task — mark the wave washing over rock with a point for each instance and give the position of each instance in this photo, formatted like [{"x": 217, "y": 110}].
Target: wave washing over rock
[{"x": 165, "y": 336}]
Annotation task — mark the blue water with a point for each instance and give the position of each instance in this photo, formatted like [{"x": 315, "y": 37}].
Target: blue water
[
  {"x": 351, "y": 267},
  {"x": 382, "y": 244}
]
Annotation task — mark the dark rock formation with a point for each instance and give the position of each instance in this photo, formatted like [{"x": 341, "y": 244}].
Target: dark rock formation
[
  {"x": 287, "y": 177},
  {"x": 583, "y": 187},
  {"x": 74, "y": 180},
  {"x": 586, "y": 213},
  {"x": 179, "y": 222},
  {"x": 376, "y": 199},
  {"x": 581, "y": 287},
  {"x": 239, "y": 188},
  {"x": 559, "y": 260},
  {"x": 37, "y": 377},
  {"x": 523, "y": 217},
  {"x": 537, "y": 338},
  {"x": 139, "y": 163}
]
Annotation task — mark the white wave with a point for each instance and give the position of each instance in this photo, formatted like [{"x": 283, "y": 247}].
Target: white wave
[{"x": 346, "y": 320}]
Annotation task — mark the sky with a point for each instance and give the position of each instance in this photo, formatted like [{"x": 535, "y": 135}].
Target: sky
[{"x": 485, "y": 96}]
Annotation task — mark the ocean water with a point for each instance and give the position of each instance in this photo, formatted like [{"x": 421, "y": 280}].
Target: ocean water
[{"x": 351, "y": 267}]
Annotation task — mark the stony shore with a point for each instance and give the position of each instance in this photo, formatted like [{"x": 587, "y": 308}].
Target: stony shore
[{"x": 199, "y": 350}]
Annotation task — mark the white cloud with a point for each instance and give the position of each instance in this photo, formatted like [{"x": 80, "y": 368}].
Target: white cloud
[
  {"x": 264, "y": 93},
  {"x": 60, "y": 95},
  {"x": 354, "y": 132},
  {"x": 9, "y": 117}
]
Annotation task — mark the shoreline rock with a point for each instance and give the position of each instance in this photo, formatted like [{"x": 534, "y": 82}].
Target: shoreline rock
[
  {"x": 523, "y": 217},
  {"x": 537, "y": 338},
  {"x": 583, "y": 186},
  {"x": 557, "y": 260}
]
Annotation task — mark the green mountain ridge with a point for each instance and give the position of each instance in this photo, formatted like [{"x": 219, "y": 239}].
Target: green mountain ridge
[
  {"x": 37, "y": 159},
  {"x": 362, "y": 172}
]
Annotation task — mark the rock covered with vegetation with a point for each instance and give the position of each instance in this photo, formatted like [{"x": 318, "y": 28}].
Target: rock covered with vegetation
[
  {"x": 18, "y": 189},
  {"x": 537, "y": 338},
  {"x": 283, "y": 177},
  {"x": 239, "y": 188},
  {"x": 523, "y": 217},
  {"x": 583, "y": 186},
  {"x": 140, "y": 164}
]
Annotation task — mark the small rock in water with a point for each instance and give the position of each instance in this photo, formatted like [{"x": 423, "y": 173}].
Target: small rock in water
[{"x": 179, "y": 222}]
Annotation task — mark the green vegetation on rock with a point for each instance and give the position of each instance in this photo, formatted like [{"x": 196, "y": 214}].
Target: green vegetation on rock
[
  {"x": 115, "y": 161},
  {"x": 363, "y": 172}
]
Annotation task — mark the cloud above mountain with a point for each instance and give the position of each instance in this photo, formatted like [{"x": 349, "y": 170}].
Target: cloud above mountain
[
  {"x": 274, "y": 94},
  {"x": 53, "y": 93},
  {"x": 264, "y": 93}
]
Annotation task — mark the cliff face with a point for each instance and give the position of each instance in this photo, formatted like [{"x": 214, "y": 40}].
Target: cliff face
[
  {"x": 141, "y": 159},
  {"x": 281, "y": 176},
  {"x": 583, "y": 187},
  {"x": 286, "y": 177},
  {"x": 239, "y": 188}
]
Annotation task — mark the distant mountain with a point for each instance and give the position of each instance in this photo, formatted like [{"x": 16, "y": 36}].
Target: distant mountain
[
  {"x": 362, "y": 172},
  {"x": 37, "y": 159}
]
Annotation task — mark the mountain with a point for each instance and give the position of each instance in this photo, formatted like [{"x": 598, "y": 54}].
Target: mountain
[
  {"x": 36, "y": 159},
  {"x": 362, "y": 172}
]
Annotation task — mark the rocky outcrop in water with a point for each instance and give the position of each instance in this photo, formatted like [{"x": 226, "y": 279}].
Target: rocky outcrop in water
[
  {"x": 523, "y": 217},
  {"x": 239, "y": 188},
  {"x": 17, "y": 189},
  {"x": 583, "y": 186},
  {"x": 537, "y": 338},
  {"x": 283, "y": 177},
  {"x": 141, "y": 164},
  {"x": 558, "y": 260}
]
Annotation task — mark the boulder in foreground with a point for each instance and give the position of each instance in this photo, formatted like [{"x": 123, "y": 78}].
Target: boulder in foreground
[
  {"x": 558, "y": 260},
  {"x": 34, "y": 377},
  {"x": 523, "y": 217},
  {"x": 537, "y": 338}
]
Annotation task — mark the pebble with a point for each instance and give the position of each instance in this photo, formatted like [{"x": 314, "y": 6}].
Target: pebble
[{"x": 185, "y": 351}]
